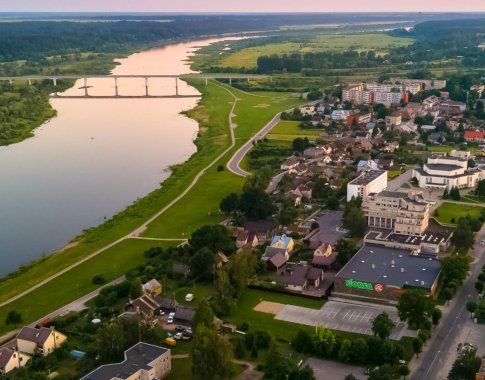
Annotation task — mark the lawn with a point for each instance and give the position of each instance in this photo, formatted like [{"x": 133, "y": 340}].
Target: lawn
[
  {"x": 288, "y": 131},
  {"x": 473, "y": 198},
  {"x": 448, "y": 211},
  {"x": 112, "y": 264},
  {"x": 321, "y": 42}
]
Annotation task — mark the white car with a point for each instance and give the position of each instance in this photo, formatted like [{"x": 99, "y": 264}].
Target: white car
[
  {"x": 178, "y": 336},
  {"x": 170, "y": 318},
  {"x": 482, "y": 242}
]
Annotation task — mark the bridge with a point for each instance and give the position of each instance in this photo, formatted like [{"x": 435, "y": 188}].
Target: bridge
[{"x": 55, "y": 78}]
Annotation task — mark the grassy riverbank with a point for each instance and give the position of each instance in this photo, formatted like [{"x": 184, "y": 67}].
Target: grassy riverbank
[{"x": 196, "y": 208}]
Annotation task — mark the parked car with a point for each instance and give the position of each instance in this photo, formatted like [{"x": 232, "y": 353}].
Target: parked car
[
  {"x": 180, "y": 328},
  {"x": 169, "y": 335},
  {"x": 188, "y": 330},
  {"x": 170, "y": 341},
  {"x": 170, "y": 318},
  {"x": 178, "y": 336},
  {"x": 482, "y": 242},
  {"x": 189, "y": 297}
]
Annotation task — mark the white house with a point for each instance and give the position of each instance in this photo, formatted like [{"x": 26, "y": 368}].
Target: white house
[
  {"x": 340, "y": 114},
  {"x": 371, "y": 181}
]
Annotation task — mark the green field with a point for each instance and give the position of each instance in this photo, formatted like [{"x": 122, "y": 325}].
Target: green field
[
  {"x": 288, "y": 131},
  {"x": 448, "y": 211},
  {"x": 112, "y": 264},
  {"x": 319, "y": 43}
]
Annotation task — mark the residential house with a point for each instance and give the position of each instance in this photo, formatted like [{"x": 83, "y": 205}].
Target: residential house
[
  {"x": 147, "y": 308},
  {"x": 283, "y": 241},
  {"x": 276, "y": 263},
  {"x": 290, "y": 163},
  {"x": 323, "y": 256},
  {"x": 166, "y": 304},
  {"x": 301, "y": 277},
  {"x": 385, "y": 164},
  {"x": 152, "y": 288},
  {"x": 340, "y": 114},
  {"x": 181, "y": 269},
  {"x": 364, "y": 165},
  {"x": 407, "y": 114},
  {"x": 475, "y": 136},
  {"x": 184, "y": 315},
  {"x": 393, "y": 120},
  {"x": 263, "y": 229},
  {"x": 41, "y": 341},
  {"x": 314, "y": 152},
  {"x": 246, "y": 238},
  {"x": 11, "y": 359},
  {"x": 142, "y": 361},
  {"x": 221, "y": 259},
  {"x": 478, "y": 88},
  {"x": 437, "y": 137},
  {"x": 431, "y": 102},
  {"x": 299, "y": 169},
  {"x": 391, "y": 147},
  {"x": 272, "y": 251}
]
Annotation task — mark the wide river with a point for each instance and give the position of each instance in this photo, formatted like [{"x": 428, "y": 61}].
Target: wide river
[{"x": 96, "y": 157}]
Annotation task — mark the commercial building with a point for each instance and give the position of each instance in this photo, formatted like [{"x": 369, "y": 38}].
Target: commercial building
[
  {"x": 380, "y": 275},
  {"x": 142, "y": 361},
  {"x": 404, "y": 213},
  {"x": 448, "y": 172},
  {"x": 475, "y": 136},
  {"x": 372, "y": 181},
  {"x": 450, "y": 107}
]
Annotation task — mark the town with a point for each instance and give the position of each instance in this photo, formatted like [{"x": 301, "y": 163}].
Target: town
[{"x": 329, "y": 231}]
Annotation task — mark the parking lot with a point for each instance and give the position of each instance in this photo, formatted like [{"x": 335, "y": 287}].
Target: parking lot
[
  {"x": 342, "y": 316},
  {"x": 329, "y": 222},
  {"x": 325, "y": 370}
]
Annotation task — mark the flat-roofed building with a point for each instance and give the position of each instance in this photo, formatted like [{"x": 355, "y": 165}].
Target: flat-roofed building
[
  {"x": 380, "y": 275},
  {"x": 142, "y": 361},
  {"x": 372, "y": 181},
  {"x": 404, "y": 213}
]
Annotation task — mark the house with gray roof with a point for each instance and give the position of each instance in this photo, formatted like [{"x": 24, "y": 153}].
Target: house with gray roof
[{"x": 11, "y": 359}]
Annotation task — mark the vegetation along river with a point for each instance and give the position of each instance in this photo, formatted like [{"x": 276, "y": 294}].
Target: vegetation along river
[{"x": 95, "y": 157}]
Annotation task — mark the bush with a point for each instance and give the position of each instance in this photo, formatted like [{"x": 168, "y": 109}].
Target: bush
[
  {"x": 99, "y": 280},
  {"x": 243, "y": 326}
]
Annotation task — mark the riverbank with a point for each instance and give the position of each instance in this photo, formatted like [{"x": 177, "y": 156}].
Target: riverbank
[{"x": 198, "y": 207}]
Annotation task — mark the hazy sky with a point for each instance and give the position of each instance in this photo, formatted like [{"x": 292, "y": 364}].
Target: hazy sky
[{"x": 241, "y": 5}]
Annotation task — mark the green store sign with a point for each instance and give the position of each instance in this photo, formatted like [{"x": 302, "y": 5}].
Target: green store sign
[{"x": 359, "y": 285}]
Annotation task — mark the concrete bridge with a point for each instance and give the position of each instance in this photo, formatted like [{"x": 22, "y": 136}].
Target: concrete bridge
[{"x": 56, "y": 78}]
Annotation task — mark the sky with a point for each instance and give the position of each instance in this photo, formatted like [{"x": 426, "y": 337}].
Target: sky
[{"x": 242, "y": 5}]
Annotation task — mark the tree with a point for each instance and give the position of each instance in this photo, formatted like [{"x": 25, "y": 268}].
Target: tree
[
  {"x": 455, "y": 193},
  {"x": 204, "y": 316},
  {"x": 479, "y": 287},
  {"x": 384, "y": 372},
  {"x": 239, "y": 350},
  {"x": 465, "y": 367},
  {"x": 447, "y": 294},
  {"x": 306, "y": 373},
  {"x": 276, "y": 367},
  {"x": 471, "y": 307},
  {"x": 288, "y": 215},
  {"x": 302, "y": 342},
  {"x": 13, "y": 318},
  {"x": 324, "y": 341},
  {"x": 436, "y": 316},
  {"x": 202, "y": 265},
  {"x": 135, "y": 288},
  {"x": 463, "y": 236},
  {"x": 354, "y": 219},
  {"x": 300, "y": 144},
  {"x": 112, "y": 337},
  {"x": 240, "y": 269},
  {"x": 350, "y": 377},
  {"x": 346, "y": 249},
  {"x": 333, "y": 202},
  {"x": 360, "y": 350},
  {"x": 382, "y": 326},
  {"x": 257, "y": 204},
  {"x": 224, "y": 293},
  {"x": 211, "y": 355},
  {"x": 345, "y": 350},
  {"x": 446, "y": 193},
  {"x": 403, "y": 370},
  {"x": 230, "y": 203},
  {"x": 215, "y": 237},
  {"x": 417, "y": 345},
  {"x": 415, "y": 307},
  {"x": 455, "y": 268},
  {"x": 480, "y": 190}
]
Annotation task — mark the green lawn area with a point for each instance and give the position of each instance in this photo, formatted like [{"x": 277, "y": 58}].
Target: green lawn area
[
  {"x": 448, "y": 149},
  {"x": 288, "y": 131},
  {"x": 448, "y": 211},
  {"x": 112, "y": 264},
  {"x": 321, "y": 42},
  {"x": 393, "y": 174},
  {"x": 474, "y": 198}
]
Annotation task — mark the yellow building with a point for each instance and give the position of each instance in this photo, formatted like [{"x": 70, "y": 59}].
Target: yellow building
[
  {"x": 41, "y": 341},
  {"x": 283, "y": 241},
  {"x": 10, "y": 359}
]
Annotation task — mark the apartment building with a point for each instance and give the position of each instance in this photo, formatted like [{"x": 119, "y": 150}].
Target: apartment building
[
  {"x": 404, "y": 213},
  {"x": 372, "y": 181}
]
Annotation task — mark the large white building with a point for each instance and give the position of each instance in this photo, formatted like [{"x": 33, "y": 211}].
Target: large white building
[
  {"x": 448, "y": 172},
  {"x": 372, "y": 181}
]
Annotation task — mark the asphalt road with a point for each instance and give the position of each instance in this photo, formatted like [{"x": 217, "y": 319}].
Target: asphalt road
[
  {"x": 448, "y": 331},
  {"x": 234, "y": 163}
]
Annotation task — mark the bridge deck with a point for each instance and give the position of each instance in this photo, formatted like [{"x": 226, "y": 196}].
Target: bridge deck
[{"x": 123, "y": 96}]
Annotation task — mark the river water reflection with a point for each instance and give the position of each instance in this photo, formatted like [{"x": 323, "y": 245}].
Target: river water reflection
[{"x": 95, "y": 158}]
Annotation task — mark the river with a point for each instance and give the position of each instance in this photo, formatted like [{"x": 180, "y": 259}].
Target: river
[{"x": 96, "y": 157}]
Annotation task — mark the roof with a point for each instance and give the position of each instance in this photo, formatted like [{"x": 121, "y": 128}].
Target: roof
[
  {"x": 474, "y": 135},
  {"x": 5, "y": 356},
  {"x": 184, "y": 314},
  {"x": 271, "y": 251},
  {"x": 264, "y": 226},
  {"x": 314, "y": 273},
  {"x": 166, "y": 303},
  {"x": 324, "y": 260},
  {"x": 367, "y": 177},
  {"x": 242, "y": 235},
  {"x": 297, "y": 277},
  {"x": 444, "y": 167},
  {"x": 31, "y": 334},
  {"x": 180, "y": 268},
  {"x": 137, "y": 358},
  {"x": 391, "y": 267},
  {"x": 152, "y": 284},
  {"x": 146, "y": 305},
  {"x": 278, "y": 260},
  {"x": 286, "y": 240}
]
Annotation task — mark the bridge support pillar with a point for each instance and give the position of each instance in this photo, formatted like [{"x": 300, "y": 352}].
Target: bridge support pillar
[
  {"x": 86, "y": 87},
  {"x": 55, "y": 81},
  {"x": 146, "y": 86},
  {"x": 116, "y": 86},
  {"x": 176, "y": 86}
]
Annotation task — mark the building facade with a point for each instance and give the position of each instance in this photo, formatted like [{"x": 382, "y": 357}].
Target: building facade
[
  {"x": 372, "y": 181},
  {"x": 41, "y": 341}
]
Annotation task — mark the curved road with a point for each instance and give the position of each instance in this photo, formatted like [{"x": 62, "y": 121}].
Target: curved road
[
  {"x": 143, "y": 227},
  {"x": 234, "y": 163}
]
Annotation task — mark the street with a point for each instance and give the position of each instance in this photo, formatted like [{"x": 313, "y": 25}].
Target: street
[{"x": 434, "y": 362}]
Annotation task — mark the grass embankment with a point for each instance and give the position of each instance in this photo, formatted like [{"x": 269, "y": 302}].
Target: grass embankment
[
  {"x": 287, "y": 130},
  {"x": 197, "y": 208},
  {"x": 448, "y": 211}
]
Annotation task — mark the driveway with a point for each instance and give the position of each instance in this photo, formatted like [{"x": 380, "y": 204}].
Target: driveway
[
  {"x": 326, "y": 370},
  {"x": 342, "y": 316}
]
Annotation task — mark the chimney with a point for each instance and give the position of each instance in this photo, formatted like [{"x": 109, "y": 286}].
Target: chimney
[{"x": 402, "y": 270}]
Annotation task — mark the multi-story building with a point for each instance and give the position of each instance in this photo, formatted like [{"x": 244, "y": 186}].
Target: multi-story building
[
  {"x": 41, "y": 341},
  {"x": 405, "y": 213},
  {"x": 358, "y": 96},
  {"x": 388, "y": 97},
  {"x": 372, "y": 181},
  {"x": 448, "y": 172},
  {"x": 424, "y": 84}
]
